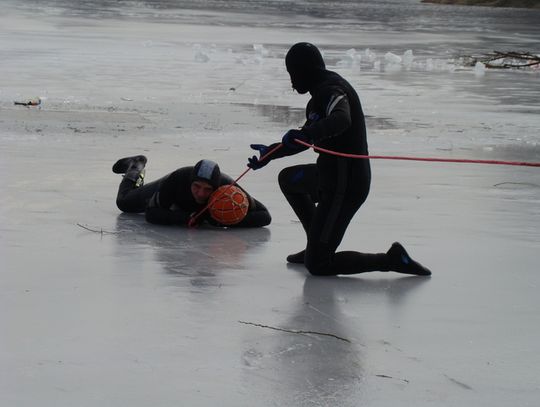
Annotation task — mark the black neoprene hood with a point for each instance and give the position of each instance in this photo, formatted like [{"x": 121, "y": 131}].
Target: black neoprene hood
[
  {"x": 304, "y": 57},
  {"x": 304, "y": 63},
  {"x": 207, "y": 171}
]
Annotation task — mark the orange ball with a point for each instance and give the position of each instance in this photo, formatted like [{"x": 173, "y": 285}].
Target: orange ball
[{"x": 228, "y": 205}]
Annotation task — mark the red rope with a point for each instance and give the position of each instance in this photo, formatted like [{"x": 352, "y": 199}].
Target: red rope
[
  {"x": 193, "y": 219},
  {"x": 395, "y": 157}
]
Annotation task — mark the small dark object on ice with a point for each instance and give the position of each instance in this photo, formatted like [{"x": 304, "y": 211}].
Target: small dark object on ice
[{"x": 33, "y": 102}]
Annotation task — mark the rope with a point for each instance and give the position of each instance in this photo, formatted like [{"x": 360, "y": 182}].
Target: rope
[
  {"x": 431, "y": 159},
  {"x": 193, "y": 219}
]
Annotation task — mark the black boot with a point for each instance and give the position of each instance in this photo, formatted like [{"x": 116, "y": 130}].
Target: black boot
[
  {"x": 297, "y": 258},
  {"x": 122, "y": 165},
  {"x": 401, "y": 262},
  {"x": 132, "y": 168}
]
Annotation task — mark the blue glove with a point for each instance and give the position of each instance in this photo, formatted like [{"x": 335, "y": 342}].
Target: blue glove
[
  {"x": 288, "y": 139},
  {"x": 255, "y": 162}
]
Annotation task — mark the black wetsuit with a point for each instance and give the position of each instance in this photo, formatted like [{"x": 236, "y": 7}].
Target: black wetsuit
[
  {"x": 169, "y": 201},
  {"x": 326, "y": 195}
]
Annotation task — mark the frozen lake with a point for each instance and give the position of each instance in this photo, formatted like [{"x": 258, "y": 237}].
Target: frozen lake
[{"x": 136, "y": 314}]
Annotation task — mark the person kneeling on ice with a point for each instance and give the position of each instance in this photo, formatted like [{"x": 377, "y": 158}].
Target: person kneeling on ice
[
  {"x": 326, "y": 195},
  {"x": 178, "y": 198}
]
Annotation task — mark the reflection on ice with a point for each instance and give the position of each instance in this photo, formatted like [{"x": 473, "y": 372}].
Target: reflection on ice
[
  {"x": 315, "y": 369},
  {"x": 190, "y": 253}
]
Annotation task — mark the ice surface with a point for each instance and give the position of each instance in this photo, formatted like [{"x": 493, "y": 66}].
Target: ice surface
[{"x": 101, "y": 308}]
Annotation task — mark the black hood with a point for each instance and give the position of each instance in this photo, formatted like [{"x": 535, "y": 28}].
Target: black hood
[
  {"x": 305, "y": 65},
  {"x": 207, "y": 171}
]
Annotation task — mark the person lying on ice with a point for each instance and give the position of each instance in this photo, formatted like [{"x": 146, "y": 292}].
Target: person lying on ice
[
  {"x": 175, "y": 198},
  {"x": 326, "y": 195}
]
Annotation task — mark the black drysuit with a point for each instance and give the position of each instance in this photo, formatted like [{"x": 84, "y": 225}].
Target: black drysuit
[
  {"x": 326, "y": 195},
  {"x": 169, "y": 200}
]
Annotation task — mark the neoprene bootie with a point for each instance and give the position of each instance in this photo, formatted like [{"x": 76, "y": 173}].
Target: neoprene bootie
[
  {"x": 123, "y": 164},
  {"x": 297, "y": 258},
  {"x": 401, "y": 262},
  {"x": 132, "y": 168}
]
